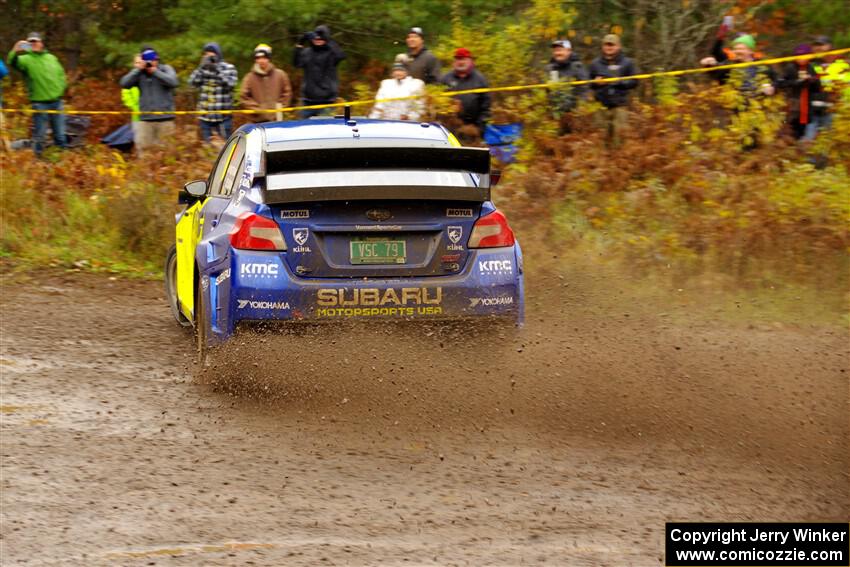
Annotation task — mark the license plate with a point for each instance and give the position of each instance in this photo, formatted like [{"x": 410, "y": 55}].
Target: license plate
[{"x": 378, "y": 251}]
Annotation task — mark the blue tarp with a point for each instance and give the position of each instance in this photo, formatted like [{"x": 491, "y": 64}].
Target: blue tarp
[
  {"x": 120, "y": 139},
  {"x": 501, "y": 139}
]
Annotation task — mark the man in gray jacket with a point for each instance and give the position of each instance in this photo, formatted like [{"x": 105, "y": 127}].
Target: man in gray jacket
[
  {"x": 422, "y": 63},
  {"x": 156, "y": 82}
]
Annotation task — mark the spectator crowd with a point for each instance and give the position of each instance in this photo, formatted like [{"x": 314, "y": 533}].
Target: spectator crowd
[{"x": 811, "y": 85}]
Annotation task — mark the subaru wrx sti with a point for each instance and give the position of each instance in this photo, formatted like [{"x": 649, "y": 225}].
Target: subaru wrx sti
[{"x": 338, "y": 219}]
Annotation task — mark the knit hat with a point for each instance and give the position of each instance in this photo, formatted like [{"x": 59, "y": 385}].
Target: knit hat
[
  {"x": 462, "y": 53},
  {"x": 745, "y": 39},
  {"x": 263, "y": 50},
  {"x": 214, "y": 47},
  {"x": 150, "y": 55}
]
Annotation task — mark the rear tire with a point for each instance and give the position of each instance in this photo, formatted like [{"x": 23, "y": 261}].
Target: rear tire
[{"x": 171, "y": 287}]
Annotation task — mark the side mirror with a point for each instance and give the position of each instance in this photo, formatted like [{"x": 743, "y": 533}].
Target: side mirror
[
  {"x": 495, "y": 177},
  {"x": 192, "y": 192},
  {"x": 196, "y": 188}
]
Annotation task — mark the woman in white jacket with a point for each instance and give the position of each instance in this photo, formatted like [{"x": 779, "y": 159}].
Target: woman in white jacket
[{"x": 400, "y": 85}]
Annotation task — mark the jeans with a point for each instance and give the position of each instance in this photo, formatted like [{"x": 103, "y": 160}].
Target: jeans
[
  {"x": 39, "y": 125},
  {"x": 817, "y": 123},
  {"x": 223, "y": 128}
]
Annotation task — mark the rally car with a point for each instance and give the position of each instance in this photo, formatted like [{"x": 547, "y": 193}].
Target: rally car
[{"x": 338, "y": 219}]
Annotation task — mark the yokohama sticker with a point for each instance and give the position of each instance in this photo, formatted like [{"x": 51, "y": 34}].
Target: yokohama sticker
[
  {"x": 491, "y": 301},
  {"x": 270, "y": 305}
]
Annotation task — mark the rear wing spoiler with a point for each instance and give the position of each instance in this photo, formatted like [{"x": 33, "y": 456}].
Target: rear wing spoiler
[{"x": 469, "y": 167}]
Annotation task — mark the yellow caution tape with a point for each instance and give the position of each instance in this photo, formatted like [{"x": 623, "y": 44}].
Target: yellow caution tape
[{"x": 448, "y": 94}]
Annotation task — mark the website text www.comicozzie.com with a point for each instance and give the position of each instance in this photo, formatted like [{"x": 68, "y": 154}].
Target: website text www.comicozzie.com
[
  {"x": 757, "y": 544},
  {"x": 754, "y": 554}
]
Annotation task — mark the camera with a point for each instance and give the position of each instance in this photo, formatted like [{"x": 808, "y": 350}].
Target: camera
[{"x": 148, "y": 64}]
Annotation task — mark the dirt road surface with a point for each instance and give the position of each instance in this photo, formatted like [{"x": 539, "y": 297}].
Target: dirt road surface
[{"x": 571, "y": 444}]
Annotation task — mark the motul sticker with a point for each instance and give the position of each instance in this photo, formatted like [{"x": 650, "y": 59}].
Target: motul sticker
[{"x": 467, "y": 213}]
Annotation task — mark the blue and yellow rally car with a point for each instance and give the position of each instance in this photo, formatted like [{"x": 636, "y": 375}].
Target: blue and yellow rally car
[{"x": 341, "y": 219}]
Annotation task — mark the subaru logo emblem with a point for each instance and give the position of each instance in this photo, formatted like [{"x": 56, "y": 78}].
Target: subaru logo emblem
[{"x": 378, "y": 214}]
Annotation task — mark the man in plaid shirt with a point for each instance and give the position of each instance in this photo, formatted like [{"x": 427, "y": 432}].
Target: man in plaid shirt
[{"x": 215, "y": 78}]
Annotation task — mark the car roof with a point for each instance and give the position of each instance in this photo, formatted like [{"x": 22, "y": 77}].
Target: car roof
[{"x": 337, "y": 129}]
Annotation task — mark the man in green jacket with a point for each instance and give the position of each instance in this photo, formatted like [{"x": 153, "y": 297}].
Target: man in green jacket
[{"x": 45, "y": 79}]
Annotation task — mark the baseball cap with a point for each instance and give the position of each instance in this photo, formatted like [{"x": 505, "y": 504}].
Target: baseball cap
[
  {"x": 822, "y": 40},
  {"x": 150, "y": 55},
  {"x": 417, "y": 30},
  {"x": 611, "y": 38},
  {"x": 462, "y": 52},
  {"x": 562, "y": 43},
  {"x": 34, "y": 36},
  {"x": 263, "y": 50}
]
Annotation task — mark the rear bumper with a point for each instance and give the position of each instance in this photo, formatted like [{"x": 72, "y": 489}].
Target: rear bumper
[{"x": 258, "y": 286}]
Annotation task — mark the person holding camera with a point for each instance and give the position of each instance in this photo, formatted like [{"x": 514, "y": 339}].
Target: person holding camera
[
  {"x": 45, "y": 80},
  {"x": 216, "y": 79},
  {"x": 319, "y": 56},
  {"x": 156, "y": 82}
]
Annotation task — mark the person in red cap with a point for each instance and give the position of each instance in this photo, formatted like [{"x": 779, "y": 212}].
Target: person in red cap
[{"x": 473, "y": 109}]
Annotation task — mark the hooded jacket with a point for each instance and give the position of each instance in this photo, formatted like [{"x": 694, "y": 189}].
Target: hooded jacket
[
  {"x": 475, "y": 108},
  {"x": 321, "y": 83},
  {"x": 264, "y": 90},
  {"x": 424, "y": 66},
  {"x": 615, "y": 94},
  {"x": 155, "y": 91},
  {"x": 216, "y": 83},
  {"x": 565, "y": 98},
  {"x": 43, "y": 74}
]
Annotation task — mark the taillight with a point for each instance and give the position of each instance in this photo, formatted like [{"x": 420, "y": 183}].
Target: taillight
[
  {"x": 253, "y": 232},
  {"x": 491, "y": 231}
]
